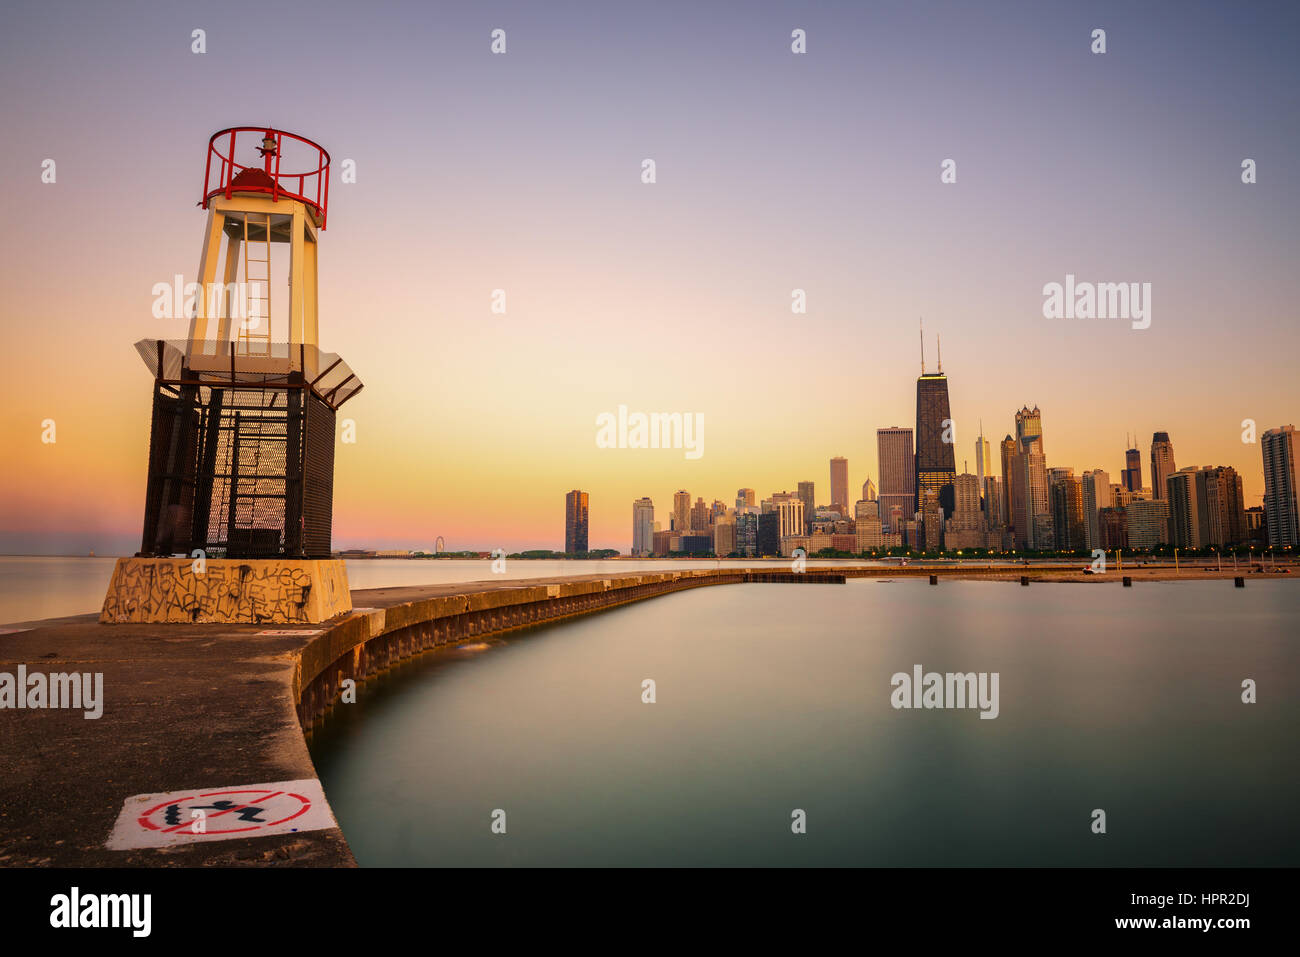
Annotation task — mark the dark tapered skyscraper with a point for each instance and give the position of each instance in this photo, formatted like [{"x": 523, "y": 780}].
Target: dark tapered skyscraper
[
  {"x": 1162, "y": 463},
  {"x": 936, "y": 466},
  {"x": 575, "y": 522},
  {"x": 1132, "y": 474}
]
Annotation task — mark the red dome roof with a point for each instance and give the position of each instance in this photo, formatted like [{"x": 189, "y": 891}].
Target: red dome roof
[{"x": 252, "y": 180}]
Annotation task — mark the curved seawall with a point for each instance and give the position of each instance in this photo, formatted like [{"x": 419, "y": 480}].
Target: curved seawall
[
  {"x": 372, "y": 639},
  {"x": 212, "y": 715}
]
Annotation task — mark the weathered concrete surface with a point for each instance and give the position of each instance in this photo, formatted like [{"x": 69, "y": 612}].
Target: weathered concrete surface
[
  {"x": 184, "y": 706},
  {"x": 253, "y": 590},
  {"x": 213, "y": 705}
]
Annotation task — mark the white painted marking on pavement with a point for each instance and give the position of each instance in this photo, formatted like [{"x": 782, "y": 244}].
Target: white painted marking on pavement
[{"x": 220, "y": 814}]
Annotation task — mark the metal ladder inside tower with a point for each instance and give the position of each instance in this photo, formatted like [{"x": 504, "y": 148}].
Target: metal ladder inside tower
[
  {"x": 250, "y": 430},
  {"x": 255, "y": 330}
]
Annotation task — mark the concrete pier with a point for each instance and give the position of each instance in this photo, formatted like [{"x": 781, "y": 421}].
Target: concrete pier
[{"x": 211, "y": 706}]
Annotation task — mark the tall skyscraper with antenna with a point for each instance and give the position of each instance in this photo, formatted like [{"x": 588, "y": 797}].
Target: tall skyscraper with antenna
[
  {"x": 936, "y": 466},
  {"x": 984, "y": 470},
  {"x": 1131, "y": 477}
]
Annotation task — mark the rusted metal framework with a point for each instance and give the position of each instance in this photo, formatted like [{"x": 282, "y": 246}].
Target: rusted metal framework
[{"x": 241, "y": 463}]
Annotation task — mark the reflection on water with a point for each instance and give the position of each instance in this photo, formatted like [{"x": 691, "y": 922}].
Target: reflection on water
[
  {"x": 772, "y": 698},
  {"x": 35, "y": 587}
]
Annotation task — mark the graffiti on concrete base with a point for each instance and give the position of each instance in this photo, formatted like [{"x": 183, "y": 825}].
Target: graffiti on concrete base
[{"x": 255, "y": 591}]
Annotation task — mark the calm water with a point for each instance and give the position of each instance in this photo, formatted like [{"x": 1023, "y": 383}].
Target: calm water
[
  {"x": 38, "y": 587},
  {"x": 777, "y": 697}
]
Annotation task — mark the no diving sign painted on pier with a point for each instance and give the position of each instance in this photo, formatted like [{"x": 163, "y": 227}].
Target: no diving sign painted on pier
[{"x": 219, "y": 814}]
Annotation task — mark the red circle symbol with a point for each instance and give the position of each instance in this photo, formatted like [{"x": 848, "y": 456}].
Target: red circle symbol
[{"x": 250, "y": 809}]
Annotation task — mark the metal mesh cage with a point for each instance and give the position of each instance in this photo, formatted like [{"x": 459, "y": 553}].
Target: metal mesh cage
[
  {"x": 241, "y": 453},
  {"x": 249, "y": 434},
  {"x": 240, "y": 473}
]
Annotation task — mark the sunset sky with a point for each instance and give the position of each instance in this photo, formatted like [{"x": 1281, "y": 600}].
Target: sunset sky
[{"x": 775, "y": 171}]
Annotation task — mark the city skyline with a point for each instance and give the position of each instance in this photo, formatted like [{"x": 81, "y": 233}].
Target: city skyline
[
  {"x": 1058, "y": 492},
  {"x": 1160, "y": 445}
]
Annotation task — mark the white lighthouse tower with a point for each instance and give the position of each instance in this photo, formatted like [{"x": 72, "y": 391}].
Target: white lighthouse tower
[{"x": 239, "y": 502}]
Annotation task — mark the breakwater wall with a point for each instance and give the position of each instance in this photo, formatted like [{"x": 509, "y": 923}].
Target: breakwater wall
[{"x": 371, "y": 640}]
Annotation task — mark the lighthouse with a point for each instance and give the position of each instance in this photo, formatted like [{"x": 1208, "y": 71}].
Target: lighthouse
[{"x": 239, "y": 495}]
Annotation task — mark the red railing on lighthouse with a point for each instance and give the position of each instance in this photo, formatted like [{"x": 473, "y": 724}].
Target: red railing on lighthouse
[{"x": 224, "y": 175}]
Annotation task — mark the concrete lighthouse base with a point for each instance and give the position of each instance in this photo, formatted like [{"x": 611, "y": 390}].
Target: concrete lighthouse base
[{"x": 269, "y": 591}]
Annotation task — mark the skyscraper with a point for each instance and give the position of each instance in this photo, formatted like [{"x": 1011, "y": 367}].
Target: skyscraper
[
  {"x": 643, "y": 526},
  {"x": 867, "y": 529},
  {"x": 1185, "y": 508},
  {"x": 840, "y": 485},
  {"x": 994, "y": 497},
  {"x": 897, "y": 473},
  {"x": 868, "y": 491},
  {"x": 1068, "y": 522},
  {"x": 745, "y": 499},
  {"x": 932, "y": 521},
  {"x": 724, "y": 534},
  {"x": 809, "y": 500},
  {"x": 575, "y": 522},
  {"x": 769, "y": 534},
  {"x": 1029, "y": 425},
  {"x": 1029, "y": 493},
  {"x": 936, "y": 465},
  {"x": 983, "y": 458},
  {"x": 1113, "y": 525},
  {"x": 1256, "y": 527},
  {"x": 790, "y": 518},
  {"x": 1222, "y": 513},
  {"x": 1281, "y": 478},
  {"x": 699, "y": 516},
  {"x": 1031, "y": 513},
  {"x": 966, "y": 528},
  {"x": 1162, "y": 463},
  {"x": 1007, "y": 448},
  {"x": 1096, "y": 496},
  {"x": 681, "y": 520},
  {"x": 1147, "y": 522},
  {"x": 966, "y": 496},
  {"x": 747, "y": 534},
  {"x": 1131, "y": 477},
  {"x": 983, "y": 470}
]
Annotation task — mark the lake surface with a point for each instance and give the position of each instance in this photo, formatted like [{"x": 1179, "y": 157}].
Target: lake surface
[{"x": 772, "y": 698}]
